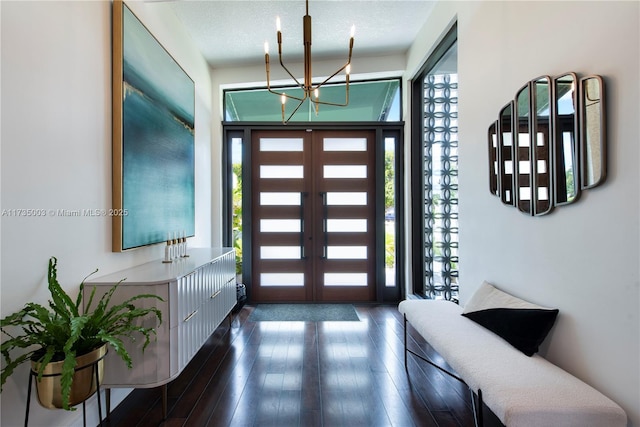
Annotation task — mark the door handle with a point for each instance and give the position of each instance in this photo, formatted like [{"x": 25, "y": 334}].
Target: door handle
[
  {"x": 325, "y": 237},
  {"x": 303, "y": 196}
]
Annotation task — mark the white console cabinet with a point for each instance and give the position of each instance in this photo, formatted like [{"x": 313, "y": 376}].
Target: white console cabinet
[{"x": 199, "y": 291}]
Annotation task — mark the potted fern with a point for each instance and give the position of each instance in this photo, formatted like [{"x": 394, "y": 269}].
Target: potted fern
[{"x": 61, "y": 341}]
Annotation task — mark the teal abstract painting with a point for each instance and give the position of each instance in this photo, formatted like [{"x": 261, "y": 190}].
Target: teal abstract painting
[{"x": 158, "y": 102}]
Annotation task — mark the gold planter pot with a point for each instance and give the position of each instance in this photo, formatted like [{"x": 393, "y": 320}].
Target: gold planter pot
[{"x": 84, "y": 380}]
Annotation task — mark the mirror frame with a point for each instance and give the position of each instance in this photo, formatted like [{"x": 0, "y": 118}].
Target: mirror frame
[
  {"x": 584, "y": 133},
  {"x": 523, "y": 180},
  {"x": 506, "y": 180},
  {"x": 492, "y": 139},
  {"x": 542, "y": 151},
  {"x": 559, "y": 152}
]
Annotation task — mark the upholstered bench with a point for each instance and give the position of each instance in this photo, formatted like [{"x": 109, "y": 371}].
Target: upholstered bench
[{"x": 521, "y": 390}]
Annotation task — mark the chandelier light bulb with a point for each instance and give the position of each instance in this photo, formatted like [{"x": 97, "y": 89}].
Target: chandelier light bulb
[
  {"x": 353, "y": 30},
  {"x": 316, "y": 93},
  {"x": 283, "y": 98},
  {"x": 348, "y": 69},
  {"x": 278, "y": 28},
  {"x": 266, "y": 47}
]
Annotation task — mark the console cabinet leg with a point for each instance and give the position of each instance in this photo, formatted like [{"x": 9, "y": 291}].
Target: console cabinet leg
[{"x": 164, "y": 402}]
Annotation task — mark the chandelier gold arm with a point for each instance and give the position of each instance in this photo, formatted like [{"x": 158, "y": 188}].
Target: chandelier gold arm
[{"x": 307, "y": 87}]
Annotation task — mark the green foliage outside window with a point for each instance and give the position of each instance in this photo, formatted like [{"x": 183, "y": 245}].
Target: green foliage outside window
[
  {"x": 389, "y": 173},
  {"x": 236, "y": 223}
]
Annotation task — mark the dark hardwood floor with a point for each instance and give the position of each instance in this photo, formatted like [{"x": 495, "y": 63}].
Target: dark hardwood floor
[{"x": 307, "y": 374}]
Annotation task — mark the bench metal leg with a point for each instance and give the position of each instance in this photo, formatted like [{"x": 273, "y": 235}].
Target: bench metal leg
[
  {"x": 405, "y": 343},
  {"x": 478, "y": 419},
  {"x": 480, "y": 415}
]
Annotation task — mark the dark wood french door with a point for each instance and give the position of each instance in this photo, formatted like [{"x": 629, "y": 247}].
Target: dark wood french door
[{"x": 313, "y": 215}]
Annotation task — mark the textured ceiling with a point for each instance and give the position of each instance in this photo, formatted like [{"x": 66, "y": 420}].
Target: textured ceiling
[{"x": 232, "y": 33}]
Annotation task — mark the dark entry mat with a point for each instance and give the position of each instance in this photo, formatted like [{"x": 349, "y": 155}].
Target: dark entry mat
[{"x": 303, "y": 313}]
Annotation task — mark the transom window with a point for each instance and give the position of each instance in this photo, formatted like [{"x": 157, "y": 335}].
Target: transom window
[{"x": 369, "y": 101}]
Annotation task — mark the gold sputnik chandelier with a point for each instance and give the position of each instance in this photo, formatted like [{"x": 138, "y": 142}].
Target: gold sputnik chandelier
[{"x": 311, "y": 91}]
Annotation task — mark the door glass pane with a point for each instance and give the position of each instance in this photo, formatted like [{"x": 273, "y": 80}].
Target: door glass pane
[
  {"x": 542, "y": 166},
  {"x": 346, "y": 198},
  {"x": 346, "y": 252},
  {"x": 279, "y": 252},
  {"x": 281, "y": 171},
  {"x": 280, "y": 144},
  {"x": 345, "y": 279},
  {"x": 279, "y": 199},
  {"x": 282, "y": 279},
  {"x": 280, "y": 225},
  {"x": 345, "y": 144},
  {"x": 345, "y": 171},
  {"x": 346, "y": 225}
]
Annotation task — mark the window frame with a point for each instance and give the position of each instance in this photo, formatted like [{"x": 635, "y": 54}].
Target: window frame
[{"x": 243, "y": 130}]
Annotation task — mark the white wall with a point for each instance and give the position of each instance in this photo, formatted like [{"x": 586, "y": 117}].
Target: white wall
[
  {"x": 583, "y": 258},
  {"x": 56, "y": 154}
]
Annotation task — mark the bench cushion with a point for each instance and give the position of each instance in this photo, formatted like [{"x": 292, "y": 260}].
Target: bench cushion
[{"x": 520, "y": 390}]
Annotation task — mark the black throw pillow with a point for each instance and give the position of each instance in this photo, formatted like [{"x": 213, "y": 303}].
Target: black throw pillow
[{"x": 523, "y": 324}]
